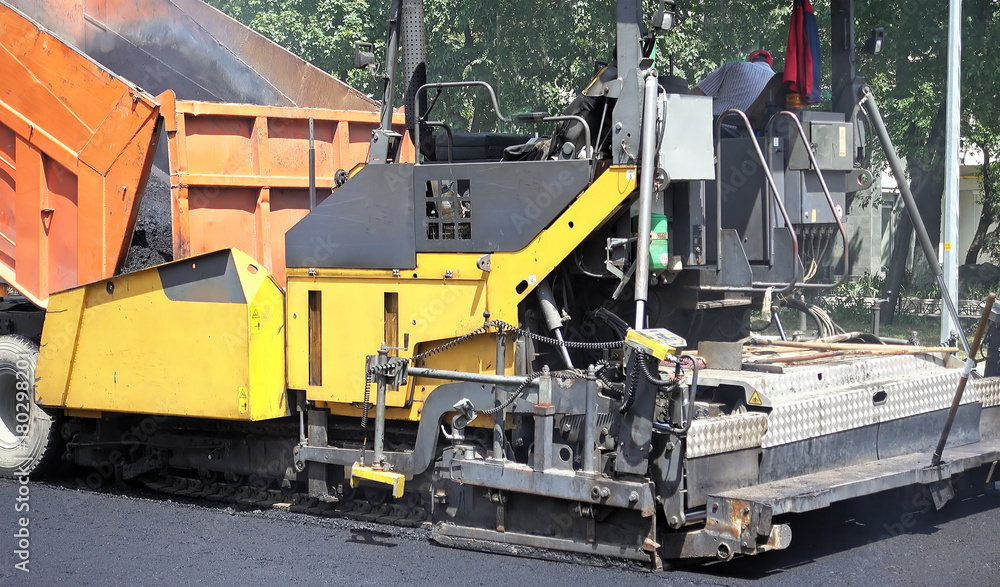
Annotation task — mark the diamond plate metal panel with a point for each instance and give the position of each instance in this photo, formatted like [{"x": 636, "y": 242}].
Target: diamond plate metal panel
[
  {"x": 807, "y": 415},
  {"x": 911, "y": 397},
  {"x": 711, "y": 436},
  {"x": 820, "y": 379},
  {"x": 814, "y": 400},
  {"x": 989, "y": 391}
]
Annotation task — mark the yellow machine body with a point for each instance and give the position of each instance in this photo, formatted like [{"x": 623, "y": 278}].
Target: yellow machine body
[
  {"x": 202, "y": 337},
  {"x": 337, "y": 317}
]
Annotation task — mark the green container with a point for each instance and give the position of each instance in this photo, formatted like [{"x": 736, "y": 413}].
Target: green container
[{"x": 659, "y": 251}]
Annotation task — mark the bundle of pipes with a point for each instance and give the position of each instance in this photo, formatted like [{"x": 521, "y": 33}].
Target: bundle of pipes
[{"x": 763, "y": 351}]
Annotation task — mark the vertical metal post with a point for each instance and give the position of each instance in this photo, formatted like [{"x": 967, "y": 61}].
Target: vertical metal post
[
  {"x": 590, "y": 462},
  {"x": 501, "y": 396},
  {"x": 646, "y": 176},
  {"x": 312, "y": 164},
  {"x": 544, "y": 416},
  {"x": 391, "y": 60},
  {"x": 302, "y": 408},
  {"x": 412, "y": 37},
  {"x": 377, "y": 461},
  {"x": 318, "y": 486},
  {"x": 803, "y": 321},
  {"x": 992, "y": 366},
  {"x": 953, "y": 110}
]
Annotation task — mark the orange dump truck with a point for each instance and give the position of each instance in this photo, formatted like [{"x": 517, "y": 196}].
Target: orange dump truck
[{"x": 77, "y": 140}]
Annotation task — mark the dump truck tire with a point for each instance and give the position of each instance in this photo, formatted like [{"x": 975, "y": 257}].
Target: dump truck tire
[{"x": 28, "y": 434}]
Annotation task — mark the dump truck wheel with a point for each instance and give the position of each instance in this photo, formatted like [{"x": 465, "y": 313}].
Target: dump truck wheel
[{"x": 28, "y": 434}]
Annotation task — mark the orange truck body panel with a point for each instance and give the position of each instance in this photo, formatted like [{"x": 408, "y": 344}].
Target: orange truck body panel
[
  {"x": 77, "y": 143},
  {"x": 75, "y": 150},
  {"x": 239, "y": 173}
]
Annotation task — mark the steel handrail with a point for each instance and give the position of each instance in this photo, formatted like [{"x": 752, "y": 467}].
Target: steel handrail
[
  {"x": 588, "y": 148},
  {"x": 449, "y": 138},
  {"x": 772, "y": 190},
  {"x": 826, "y": 192},
  {"x": 422, "y": 117}
]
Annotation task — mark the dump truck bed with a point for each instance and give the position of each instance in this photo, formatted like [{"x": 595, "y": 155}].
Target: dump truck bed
[
  {"x": 77, "y": 142},
  {"x": 239, "y": 173},
  {"x": 192, "y": 49},
  {"x": 75, "y": 151}
]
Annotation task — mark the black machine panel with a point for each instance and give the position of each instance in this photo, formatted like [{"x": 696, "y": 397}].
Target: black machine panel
[
  {"x": 366, "y": 224},
  {"x": 386, "y": 214},
  {"x": 490, "y": 207}
]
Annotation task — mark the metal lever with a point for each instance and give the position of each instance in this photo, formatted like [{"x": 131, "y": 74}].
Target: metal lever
[
  {"x": 875, "y": 116},
  {"x": 970, "y": 364}
]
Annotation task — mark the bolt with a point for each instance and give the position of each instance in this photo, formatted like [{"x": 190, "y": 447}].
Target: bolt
[
  {"x": 633, "y": 497},
  {"x": 674, "y": 521},
  {"x": 605, "y": 492}
]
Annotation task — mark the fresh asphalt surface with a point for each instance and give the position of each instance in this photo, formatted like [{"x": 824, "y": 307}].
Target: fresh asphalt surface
[{"x": 83, "y": 537}]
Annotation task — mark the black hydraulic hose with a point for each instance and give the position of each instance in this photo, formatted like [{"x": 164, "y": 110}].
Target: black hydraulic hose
[
  {"x": 692, "y": 394},
  {"x": 633, "y": 382},
  {"x": 665, "y": 384},
  {"x": 616, "y": 389},
  {"x": 564, "y": 375},
  {"x": 512, "y": 397}
]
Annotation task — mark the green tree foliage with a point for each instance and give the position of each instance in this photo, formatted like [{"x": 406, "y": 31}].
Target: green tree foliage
[
  {"x": 980, "y": 67},
  {"x": 909, "y": 81},
  {"x": 535, "y": 54},
  {"x": 538, "y": 53}
]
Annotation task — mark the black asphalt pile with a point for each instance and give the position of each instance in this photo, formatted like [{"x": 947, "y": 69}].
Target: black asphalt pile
[{"x": 152, "y": 241}]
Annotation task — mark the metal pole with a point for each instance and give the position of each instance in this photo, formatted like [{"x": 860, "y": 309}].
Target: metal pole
[
  {"x": 646, "y": 197},
  {"x": 427, "y": 373},
  {"x": 970, "y": 364},
  {"x": 591, "y": 461},
  {"x": 500, "y": 418},
  {"x": 544, "y": 417},
  {"x": 312, "y": 164},
  {"x": 379, "y": 458},
  {"x": 951, "y": 162},
  {"x": 875, "y": 116},
  {"x": 391, "y": 59}
]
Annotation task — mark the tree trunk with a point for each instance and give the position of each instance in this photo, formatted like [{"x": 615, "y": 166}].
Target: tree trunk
[
  {"x": 988, "y": 216},
  {"x": 927, "y": 185}
]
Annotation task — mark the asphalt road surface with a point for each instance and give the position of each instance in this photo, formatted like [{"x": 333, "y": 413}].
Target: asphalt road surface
[{"x": 82, "y": 537}]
